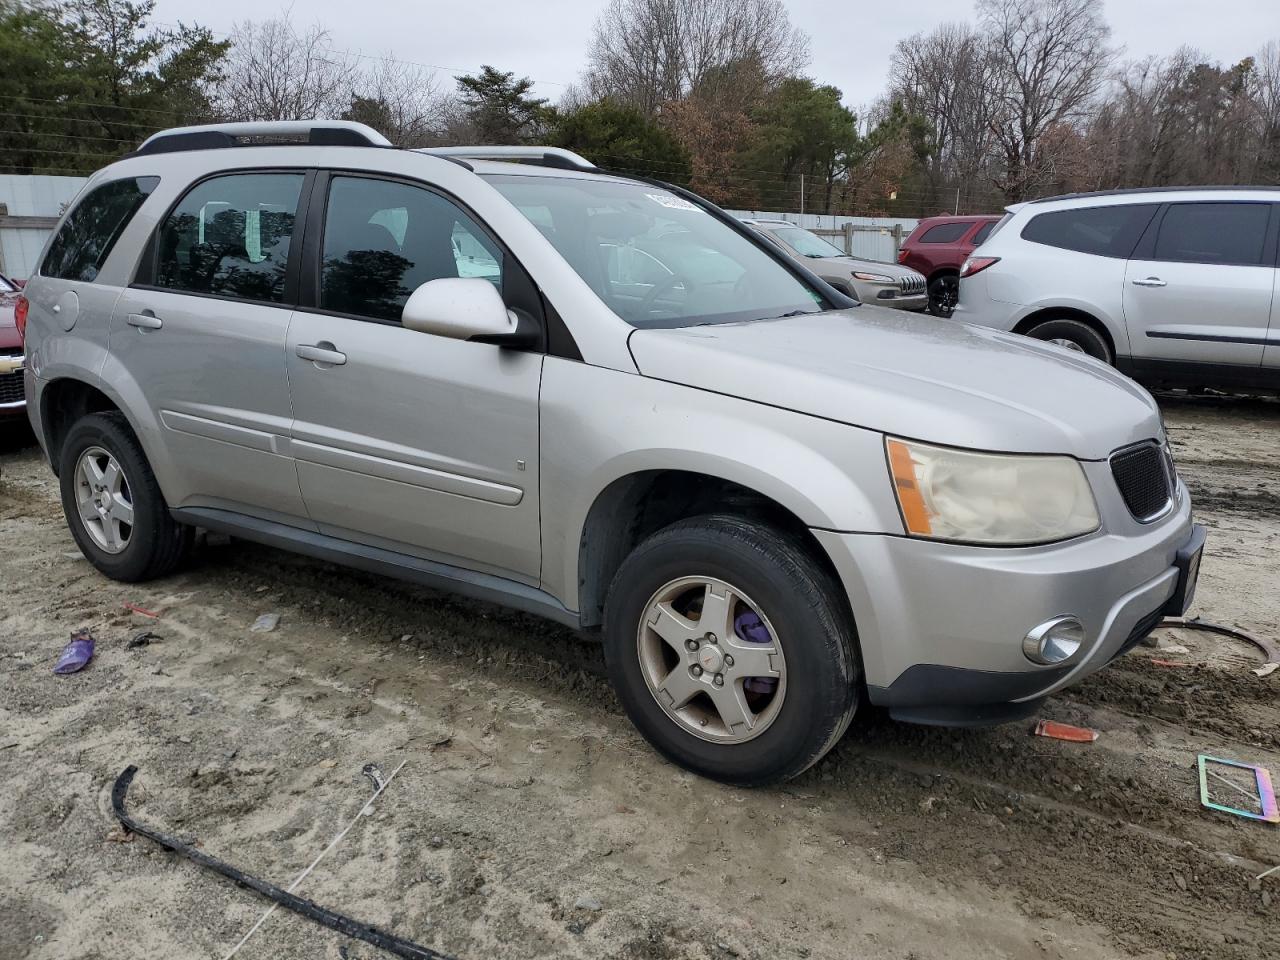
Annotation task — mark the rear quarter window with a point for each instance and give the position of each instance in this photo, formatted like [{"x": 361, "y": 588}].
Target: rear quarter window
[
  {"x": 1110, "y": 231},
  {"x": 84, "y": 241},
  {"x": 945, "y": 232}
]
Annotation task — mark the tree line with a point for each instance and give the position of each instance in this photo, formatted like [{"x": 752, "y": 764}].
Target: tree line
[{"x": 1028, "y": 99}]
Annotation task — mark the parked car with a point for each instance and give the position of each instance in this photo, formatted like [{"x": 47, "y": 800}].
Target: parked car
[
  {"x": 12, "y": 395},
  {"x": 1176, "y": 287},
  {"x": 770, "y": 502},
  {"x": 937, "y": 248},
  {"x": 870, "y": 281}
]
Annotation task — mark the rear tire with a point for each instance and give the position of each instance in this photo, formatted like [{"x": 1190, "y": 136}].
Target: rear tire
[
  {"x": 113, "y": 504},
  {"x": 810, "y": 658},
  {"x": 1075, "y": 335},
  {"x": 944, "y": 293}
]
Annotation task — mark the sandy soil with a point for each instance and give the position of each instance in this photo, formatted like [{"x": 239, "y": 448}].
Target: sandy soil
[{"x": 530, "y": 821}]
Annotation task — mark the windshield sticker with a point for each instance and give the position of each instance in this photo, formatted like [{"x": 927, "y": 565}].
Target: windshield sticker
[{"x": 672, "y": 203}]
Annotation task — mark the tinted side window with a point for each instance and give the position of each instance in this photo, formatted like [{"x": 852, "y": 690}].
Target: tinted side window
[
  {"x": 230, "y": 237},
  {"x": 1233, "y": 233},
  {"x": 1106, "y": 231},
  {"x": 86, "y": 237},
  {"x": 383, "y": 240},
  {"x": 984, "y": 231},
  {"x": 945, "y": 233}
]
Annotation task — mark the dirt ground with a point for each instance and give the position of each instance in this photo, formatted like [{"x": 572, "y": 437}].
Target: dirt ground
[{"x": 531, "y": 821}]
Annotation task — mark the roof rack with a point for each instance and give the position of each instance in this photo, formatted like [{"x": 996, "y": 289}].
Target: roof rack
[
  {"x": 542, "y": 156},
  {"x": 320, "y": 133}
]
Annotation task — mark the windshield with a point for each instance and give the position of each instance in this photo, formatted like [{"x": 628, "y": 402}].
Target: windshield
[
  {"x": 656, "y": 259},
  {"x": 805, "y": 243}
]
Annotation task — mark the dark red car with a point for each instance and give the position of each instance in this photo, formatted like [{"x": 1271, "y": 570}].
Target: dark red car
[
  {"x": 12, "y": 395},
  {"x": 937, "y": 247}
]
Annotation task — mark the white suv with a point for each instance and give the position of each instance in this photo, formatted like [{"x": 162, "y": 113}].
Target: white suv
[{"x": 1174, "y": 286}]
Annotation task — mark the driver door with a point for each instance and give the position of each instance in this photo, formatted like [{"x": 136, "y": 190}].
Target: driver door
[{"x": 404, "y": 440}]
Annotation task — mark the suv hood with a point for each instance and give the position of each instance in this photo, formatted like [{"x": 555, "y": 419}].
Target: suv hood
[
  {"x": 918, "y": 377},
  {"x": 846, "y": 265}
]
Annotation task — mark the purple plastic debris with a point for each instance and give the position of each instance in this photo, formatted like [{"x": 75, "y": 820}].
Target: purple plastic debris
[
  {"x": 77, "y": 653},
  {"x": 751, "y": 629}
]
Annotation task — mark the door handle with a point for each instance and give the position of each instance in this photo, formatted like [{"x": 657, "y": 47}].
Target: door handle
[
  {"x": 1149, "y": 282},
  {"x": 321, "y": 353},
  {"x": 144, "y": 321}
]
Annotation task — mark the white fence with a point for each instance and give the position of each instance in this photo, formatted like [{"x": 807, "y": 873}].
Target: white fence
[
  {"x": 869, "y": 238},
  {"x": 29, "y": 209}
]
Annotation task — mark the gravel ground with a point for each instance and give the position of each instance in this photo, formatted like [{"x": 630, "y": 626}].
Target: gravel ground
[{"x": 530, "y": 820}]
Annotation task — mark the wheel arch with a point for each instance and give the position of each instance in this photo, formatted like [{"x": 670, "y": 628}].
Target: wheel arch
[
  {"x": 64, "y": 401},
  {"x": 1042, "y": 314},
  {"x": 635, "y": 506}
]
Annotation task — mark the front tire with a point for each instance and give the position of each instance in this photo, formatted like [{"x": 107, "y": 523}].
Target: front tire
[
  {"x": 1074, "y": 335},
  {"x": 731, "y": 650},
  {"x": 113, "y": 504}
]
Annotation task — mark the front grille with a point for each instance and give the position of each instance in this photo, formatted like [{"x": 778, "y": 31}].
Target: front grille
[
  {"x": 1142, "y": 474},
  {"x": 911, "y": 285}
]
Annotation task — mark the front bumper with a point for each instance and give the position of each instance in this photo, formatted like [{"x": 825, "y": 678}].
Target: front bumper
[
  {"x": 941, "y": 625},
  {"x": 13, "y": 400},
  {"x": 898, "y": 301}
]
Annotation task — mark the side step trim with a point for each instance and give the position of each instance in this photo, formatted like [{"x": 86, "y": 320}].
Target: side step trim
[{"x": 402, "y": 566}]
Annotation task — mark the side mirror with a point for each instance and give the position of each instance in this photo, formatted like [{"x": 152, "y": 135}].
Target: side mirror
[{"x": 462, "y": 308}]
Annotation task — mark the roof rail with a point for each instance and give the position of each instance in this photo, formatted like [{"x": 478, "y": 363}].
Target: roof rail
[
  {"x": 327, "y": 133},
  {"x": 542, "y": 156},
  {"x": 1185, "y": 188}
]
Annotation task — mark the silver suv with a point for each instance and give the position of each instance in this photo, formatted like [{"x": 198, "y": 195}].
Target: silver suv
[
  {"x": 771, "y": 503},
  {"x": 870, "y": 281},
  {"x": 1174, "y": 286}
]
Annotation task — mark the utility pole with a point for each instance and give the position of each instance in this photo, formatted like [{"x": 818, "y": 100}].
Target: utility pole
[
  {"x": 802, "y": 194},
  {"x": 957, "y": 201}
]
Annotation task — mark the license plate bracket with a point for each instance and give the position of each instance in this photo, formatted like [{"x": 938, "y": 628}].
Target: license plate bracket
[{"x": 1188, "y": 564}]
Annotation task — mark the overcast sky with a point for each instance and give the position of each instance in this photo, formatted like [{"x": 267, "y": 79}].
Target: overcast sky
[{"x": 547, "y": 39}]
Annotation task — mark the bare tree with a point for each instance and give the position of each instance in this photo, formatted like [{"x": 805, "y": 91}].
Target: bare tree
[
  {"x": 948, "y": 79},
  {"x": 401, "y": 100},
  {"x": 1052, "y": 57},
  {"x": 647, "y": 53},
  {"x": 275, "y": 72}
]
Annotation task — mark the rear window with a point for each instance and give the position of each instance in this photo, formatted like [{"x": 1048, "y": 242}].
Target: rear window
[
  {"x": 1110, "y": 231},
  {"x": 1225, "y": 233},
  {"x": 945, "y": 232},
  {"x": 84, "y": 241},
  {"x": 984, "y": 231}
]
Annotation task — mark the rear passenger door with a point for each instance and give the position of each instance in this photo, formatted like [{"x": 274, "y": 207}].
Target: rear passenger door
[
  {"x": 201, "y": 333},
  {"x": 1199, "y": 287},
  {"x": 407, "y": 441}
]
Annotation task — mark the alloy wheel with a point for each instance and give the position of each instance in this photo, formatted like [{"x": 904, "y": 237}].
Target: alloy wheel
[
  {"x": 712, "y": 660},
  {"x": 103, "y": 500}
]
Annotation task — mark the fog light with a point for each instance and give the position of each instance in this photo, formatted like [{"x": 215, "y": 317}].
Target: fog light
[{"x": 1054, "y": 641}]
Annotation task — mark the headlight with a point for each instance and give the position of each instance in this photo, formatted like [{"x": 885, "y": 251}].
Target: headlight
[
  {"x": 992, "y": 498},
  {"x": 873, "y": 277}
]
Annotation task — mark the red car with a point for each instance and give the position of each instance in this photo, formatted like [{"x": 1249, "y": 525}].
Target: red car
[
  {"x": 13, "y": 401},
  {"x": 937, "y": 247}
]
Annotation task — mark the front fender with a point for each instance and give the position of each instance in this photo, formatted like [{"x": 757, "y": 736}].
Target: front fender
[{"x": 600, "y": 425}]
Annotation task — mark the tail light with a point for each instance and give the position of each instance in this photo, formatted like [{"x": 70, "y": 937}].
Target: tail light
[
  {"x": 976, "y": 265},
  {"x": 20, "y": 315},
  {"x": 902, "y": 255}
]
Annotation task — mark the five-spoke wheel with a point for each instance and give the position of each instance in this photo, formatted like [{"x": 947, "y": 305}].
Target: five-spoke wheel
[
  {"x": 104, "y": 502},
  {"x": 731, "y": 648},
  {"x": 711, "y": 659}
]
